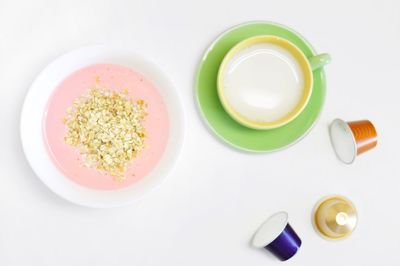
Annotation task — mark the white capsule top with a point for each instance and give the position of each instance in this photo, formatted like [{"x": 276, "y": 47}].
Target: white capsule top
[
  {"x": 343, "y": 141},
  {"x": 270, "y": 229}
]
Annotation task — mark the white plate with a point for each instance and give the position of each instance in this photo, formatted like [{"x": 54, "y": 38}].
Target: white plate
[{"x": 35, "y": 104}]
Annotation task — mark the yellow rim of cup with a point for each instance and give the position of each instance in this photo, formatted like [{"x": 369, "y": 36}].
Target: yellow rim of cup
[{"x": 303, "y": 62}]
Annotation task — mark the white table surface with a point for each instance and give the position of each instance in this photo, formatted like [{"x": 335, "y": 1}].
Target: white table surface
[{"x": 207, "y": 211}]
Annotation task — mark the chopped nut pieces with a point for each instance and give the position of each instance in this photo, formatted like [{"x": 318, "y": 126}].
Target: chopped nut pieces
[{"x": 107, "y": 127}]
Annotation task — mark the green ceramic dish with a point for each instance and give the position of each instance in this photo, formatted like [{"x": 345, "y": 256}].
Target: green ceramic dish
[{"x": 228, "y": 129}]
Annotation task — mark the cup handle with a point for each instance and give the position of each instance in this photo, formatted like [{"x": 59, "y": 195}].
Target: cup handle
[{"x": 319, "y": 61}]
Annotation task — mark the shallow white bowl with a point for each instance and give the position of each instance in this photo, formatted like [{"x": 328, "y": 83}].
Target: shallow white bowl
[{"x": 35, "y": 104}]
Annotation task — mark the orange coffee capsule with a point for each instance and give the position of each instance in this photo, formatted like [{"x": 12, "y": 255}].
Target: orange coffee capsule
[
  {"x": 365, "y": 135},
  {"x": 350, "y": 139}
]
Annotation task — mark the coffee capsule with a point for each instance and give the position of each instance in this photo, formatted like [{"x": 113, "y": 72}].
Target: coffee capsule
[
  {"x": 277, "y": 236},
  {"x": 350, "y": 139},
  {"x": 335, "y": 217}
]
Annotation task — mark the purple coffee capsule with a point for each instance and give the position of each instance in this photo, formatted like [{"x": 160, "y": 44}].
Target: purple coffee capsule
[{"x": 277, "y": 236}]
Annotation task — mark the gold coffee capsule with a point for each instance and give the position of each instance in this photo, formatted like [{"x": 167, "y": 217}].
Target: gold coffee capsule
[{"x": 335, "y": 217}]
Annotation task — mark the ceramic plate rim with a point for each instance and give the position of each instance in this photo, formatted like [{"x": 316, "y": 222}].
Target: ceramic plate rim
[{"x": 31, "y": 126}]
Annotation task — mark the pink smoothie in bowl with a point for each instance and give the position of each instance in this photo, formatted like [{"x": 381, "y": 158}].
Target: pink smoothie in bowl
[{"x": 115, "y": 78}]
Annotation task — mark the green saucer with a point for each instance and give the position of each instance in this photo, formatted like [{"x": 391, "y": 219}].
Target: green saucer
[{"x": 228, "y": 129}]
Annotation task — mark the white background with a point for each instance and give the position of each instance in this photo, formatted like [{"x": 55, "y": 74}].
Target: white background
[{"x": 207, "y": 211}]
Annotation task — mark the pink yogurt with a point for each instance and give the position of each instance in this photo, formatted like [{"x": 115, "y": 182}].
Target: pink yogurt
[{"x": 113, "y": 77}]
